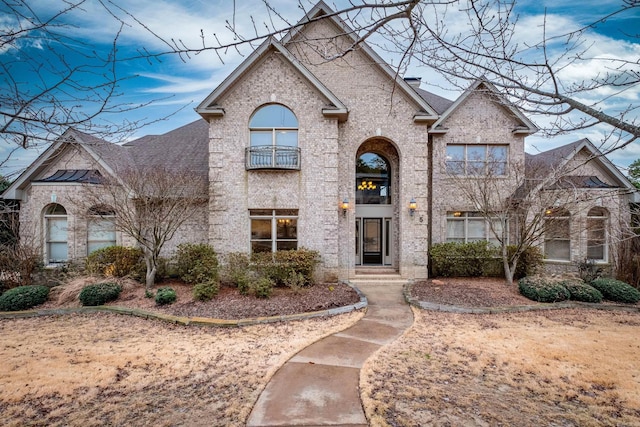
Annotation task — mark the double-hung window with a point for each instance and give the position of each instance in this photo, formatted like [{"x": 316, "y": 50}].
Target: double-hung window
[
  {"x": 476, "y": 160},
  {"x": 557, "y": 234},
  {"x": 273, "y": 229},
  {"x": 465, "y": 227},
  {"x": 597, "y": 234},
  {"x": 55, "y": 218},
  {"x": 101, "y": 229}
]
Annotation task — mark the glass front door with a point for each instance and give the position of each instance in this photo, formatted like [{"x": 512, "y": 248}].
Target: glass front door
[{"x": 372, "y": 241}]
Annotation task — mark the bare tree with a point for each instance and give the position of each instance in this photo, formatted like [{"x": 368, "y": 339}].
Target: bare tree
[{"x": 148, "y": 204}]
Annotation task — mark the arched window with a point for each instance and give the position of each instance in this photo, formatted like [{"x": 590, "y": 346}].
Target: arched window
[
  {"x": 597, "y": 234},
  {"x": 101, "y": 229},
  {"x": 55, "y": 222},
  {"x": 373, "y": 180},
  {"x": 274, "y": 139},
  {"x": 557, "y": 234}
]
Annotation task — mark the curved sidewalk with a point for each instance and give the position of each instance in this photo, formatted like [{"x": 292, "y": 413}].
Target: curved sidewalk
[{"x": 320, "y": 385}]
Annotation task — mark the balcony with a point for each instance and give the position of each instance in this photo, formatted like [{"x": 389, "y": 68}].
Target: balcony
[{"x": 272, "y": 157}]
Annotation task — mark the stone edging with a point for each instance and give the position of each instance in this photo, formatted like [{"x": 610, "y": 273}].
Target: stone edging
[
  {"x": 189, "y": 321},
  {"x": 510, "y": 308}
]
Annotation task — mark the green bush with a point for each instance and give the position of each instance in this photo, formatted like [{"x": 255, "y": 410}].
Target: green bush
[
  {"x": 23, "y": 297},
  {"x": 454, "y": 259},
  {"x": 196, "y": 263},
  {"x": 278, "y": 266},
  {"x": 615, "y": 290},
  {"x": 581, "y": 291},
  {"x": 262, "y": 287},
  {"x": 116, "y": 261},
  {"x": 206, "y": 291},
  {"x": 529, "y": 263},
  {"x": 542, "y": 290},
  {"x": 244, "y": 284},
  {"x": 166, "y": 295},
  {"x": 235, "y": 268},
  {"x": 99, "y": 293}
]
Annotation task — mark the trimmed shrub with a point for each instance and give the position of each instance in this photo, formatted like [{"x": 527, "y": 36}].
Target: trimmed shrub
[
  {"x": 23, "y": 297},
  {"x": 529, "y": 263},
  {"x": 455, "y": 259},
  {"x": 542, "y": 290},
  {"x": 235, "y": 268},
  {"x": 206, "y": 291},
  {"x": 262, "y": 287},
  {"x": 116, "y": 261},
  {"x": 278, "y": 266},
  {"x": 196, "y": 263},
  {"x": 615, "y": 290},
  {"x": 581, "y": 291},
  {"x": 166, "y": 295},
  {"x": 99, "y": 293}
]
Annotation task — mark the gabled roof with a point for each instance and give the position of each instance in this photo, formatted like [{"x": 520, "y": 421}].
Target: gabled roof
[
  {"x": 210, "y": 106},
  {"x": 526, "y": 126},
  {"x": 426, "y": 114}
]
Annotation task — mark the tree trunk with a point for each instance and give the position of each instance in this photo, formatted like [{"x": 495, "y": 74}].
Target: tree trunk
[{"x": 152, "y": 268}]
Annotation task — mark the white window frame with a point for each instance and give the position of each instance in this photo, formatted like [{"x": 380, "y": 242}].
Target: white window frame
[
  {"x": 465, "y": 161},
  {"x": 275, "y": 217},
  {"x": 604, "y": 220},
  {"x": 95, "y": 218},
  {"x": 564, "y": 216},
  {"x": 465, "y": 218},
  {"x": 49, "y": 218}
]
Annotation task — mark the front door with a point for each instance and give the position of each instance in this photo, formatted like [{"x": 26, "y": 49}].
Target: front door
[{"x": 372, "y": 241}]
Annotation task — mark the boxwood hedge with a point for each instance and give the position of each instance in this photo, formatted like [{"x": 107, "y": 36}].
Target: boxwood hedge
[
  {"x": 23, "y": 297},
  {"x": 99, "y": 293},
  {"x": 542, "y": 290},
  {"x": 615, "y": 290},
  {"x": 581, "y": 291}
]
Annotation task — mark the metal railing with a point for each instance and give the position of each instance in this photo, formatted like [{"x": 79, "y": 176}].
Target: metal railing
[{"x": 272, "y": 157}]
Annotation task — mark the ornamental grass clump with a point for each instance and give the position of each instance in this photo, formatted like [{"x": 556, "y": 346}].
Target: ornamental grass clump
[
  {"x": 581, "y": 291},
  {"x": 543, "y": 290},
  {"x": 616, "y": 290},
  {"x": 23, "y": 297},
  {"x": 99, "y": 294}
]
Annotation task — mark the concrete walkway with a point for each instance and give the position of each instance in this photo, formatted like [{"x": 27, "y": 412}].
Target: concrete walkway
[{"x": 320, "y": 385}]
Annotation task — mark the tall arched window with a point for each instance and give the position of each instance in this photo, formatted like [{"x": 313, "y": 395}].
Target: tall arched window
[
  {"x": 597, "y": 234},
  {"x": 373, "y": 180},
  {"x": 55, "y": 222},
  {"x": 557, "y": 234},
  {"x": 274, "y": 139},
  {"x": 101, "y": 229}
]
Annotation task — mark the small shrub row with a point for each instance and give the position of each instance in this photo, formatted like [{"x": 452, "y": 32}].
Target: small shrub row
[
  {"x": 476, "y": 259},
  {"x": 99, "y": 293},
  {"x": 23, "y": 297},
  {"x": 618, "y": 291},
  {"x": 281, "y": 265},
  {"x": 165, "y": 296},
  {"x": 549, "y": 290}
]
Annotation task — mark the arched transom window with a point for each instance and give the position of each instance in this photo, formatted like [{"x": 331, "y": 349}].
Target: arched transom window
[
  {"x": 274, "y": 139},
  {"x": 373, "y": 180}
]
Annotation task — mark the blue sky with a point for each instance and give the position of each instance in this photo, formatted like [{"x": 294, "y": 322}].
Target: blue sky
[{"x": 177, "y": 85}]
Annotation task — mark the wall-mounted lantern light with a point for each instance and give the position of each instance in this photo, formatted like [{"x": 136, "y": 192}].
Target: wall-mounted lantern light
[
  {"x": 412, "y": 206},
  {"x": 345, "y": 206}
]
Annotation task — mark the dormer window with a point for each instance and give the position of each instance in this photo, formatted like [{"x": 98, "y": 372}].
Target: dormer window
[{"x": 273, "y": 144}]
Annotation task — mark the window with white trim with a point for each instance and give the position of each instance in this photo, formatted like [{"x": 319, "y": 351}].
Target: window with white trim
[
  {"x": 56, "y": 247},
  {"x": 597, "y": 234},
  {"x": 477, "y": 159},
  {"x": 557, "y": 234},
  {"x": 273, "y": 229},
  {"x": 101, "y": 228},
  {"x": 274, "y": 139},
  {"x": 465, "y": 227}
]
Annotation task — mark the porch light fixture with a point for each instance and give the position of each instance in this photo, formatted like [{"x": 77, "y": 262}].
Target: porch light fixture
[
  {"x": 412, "y": 206},
  {"x": 345, "y": 206}
]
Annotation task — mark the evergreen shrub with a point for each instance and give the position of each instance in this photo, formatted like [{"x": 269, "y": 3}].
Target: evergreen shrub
[
  {"x": 23, "y": 297},
  {"x": 99, "y": 293},
  {"x": 165, "y": 296},
  {"x": 617, "y": 291},
  {"x": 543, "y": 290}
]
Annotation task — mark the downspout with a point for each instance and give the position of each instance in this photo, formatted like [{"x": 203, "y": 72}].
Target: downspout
[{"x": 429, "y": 202}]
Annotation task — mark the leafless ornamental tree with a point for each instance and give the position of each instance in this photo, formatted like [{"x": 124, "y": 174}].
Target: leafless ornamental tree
[{"x": 149, "y": 205}]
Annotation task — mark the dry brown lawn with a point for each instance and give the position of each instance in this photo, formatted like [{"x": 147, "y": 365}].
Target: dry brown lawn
[
  {"x": 107, "y": 369},
  {"x": 552, "y": 368}
]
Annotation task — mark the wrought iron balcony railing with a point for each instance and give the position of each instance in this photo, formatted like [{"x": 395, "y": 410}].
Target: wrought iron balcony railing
[{"x": 272, "y": 157}]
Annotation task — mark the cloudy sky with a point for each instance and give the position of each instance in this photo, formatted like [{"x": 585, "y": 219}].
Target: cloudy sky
[{"x": 172, "y": 85}]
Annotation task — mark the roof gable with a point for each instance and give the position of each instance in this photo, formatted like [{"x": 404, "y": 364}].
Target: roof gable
[
  {"x": 210, "y": 107},
  {"x": 321, "y": 10},
  {"x": 526, "y": 126}
]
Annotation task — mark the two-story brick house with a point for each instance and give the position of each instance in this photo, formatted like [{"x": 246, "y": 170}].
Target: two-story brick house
[{"x": 340, "y": 156}]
